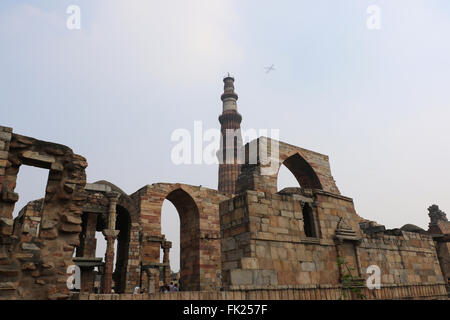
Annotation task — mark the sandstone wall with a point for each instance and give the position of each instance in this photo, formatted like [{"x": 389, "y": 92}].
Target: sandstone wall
[
  {"x": 404, "y": 257},
  {"x": 34, "y": 258},
  {"x": 264, "y": 244},
  {"x": 198, "y": 209}
]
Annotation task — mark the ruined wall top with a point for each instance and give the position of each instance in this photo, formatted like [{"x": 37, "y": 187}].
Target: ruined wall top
[{"x": 264, "y": 157}]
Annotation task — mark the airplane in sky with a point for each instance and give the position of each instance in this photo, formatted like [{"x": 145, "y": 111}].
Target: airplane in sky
[{"x": 268, "y": 69}]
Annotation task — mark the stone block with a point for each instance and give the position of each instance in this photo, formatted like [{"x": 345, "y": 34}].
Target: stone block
[
  {"x": 49, "y": 234},
  {"x": 56, "y": 166},
  {"x": 70, "y": 228},
  {"x": 36, "y": 157},
  {"x": 308, "y": 266},
  {"x": 260, "y": 251},
  {"x": 48, "y": 224},
  {"x": 303, "y": 278},
  {"x": 241, "y": 277},
  {"x": 30, "y": 246},
  {"x": 6, "y": 226},
  {"x": 228, "y": 244},
  {"x": 265, "y": 278},
  {"x": 8, "y": 285},
  {"x": 70, "y": 219},
  {"x": 5, "y": 136},
  {"x": 249, "y": 263}
]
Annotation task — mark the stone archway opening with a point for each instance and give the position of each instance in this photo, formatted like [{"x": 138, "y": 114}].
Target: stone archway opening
[
  {"x": 122, "y": 243},
  {"x": 286, "y": 179},
  {"x": 170, "y": 228},
  {"x": 301, "y": 170},
  {"x": 189, "y": 239}
]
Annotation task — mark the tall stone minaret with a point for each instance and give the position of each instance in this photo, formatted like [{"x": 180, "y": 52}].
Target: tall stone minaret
[{"x": 230, "y": 121}]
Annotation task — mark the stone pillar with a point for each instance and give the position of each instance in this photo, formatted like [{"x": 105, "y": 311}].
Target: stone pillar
[
  {"x": 8, "y": 176},
  {"x": 8, "y": 198},
  {"x": 166, "y": 261},
  {"x": 152, "y": 280},
  {"x": 110, "y": 236},
  {"x": 89, "y": 242},
  {"x": 113, "y": 198},
  {"x": 87, "y": 279}
]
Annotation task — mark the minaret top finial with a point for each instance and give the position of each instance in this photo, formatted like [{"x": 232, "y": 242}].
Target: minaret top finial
[
  {"x": 228, "y": 76},
  {"x": 229, "y": 88}
]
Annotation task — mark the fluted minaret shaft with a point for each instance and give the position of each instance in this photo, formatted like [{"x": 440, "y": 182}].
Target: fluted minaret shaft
[{"x": 231, "y": 139}]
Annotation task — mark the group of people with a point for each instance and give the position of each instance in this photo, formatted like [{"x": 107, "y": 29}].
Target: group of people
[
  {"x": 164, "y": 289},
  {"x": 170, "y": 288},
  {"x": 138, "y": 290}
]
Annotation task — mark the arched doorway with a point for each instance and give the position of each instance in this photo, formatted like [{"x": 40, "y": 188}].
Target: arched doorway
[
  {"x": 123, "y": 224},
  {"x": 189, "y": 239},
  {"x": 170, "y": 228}
]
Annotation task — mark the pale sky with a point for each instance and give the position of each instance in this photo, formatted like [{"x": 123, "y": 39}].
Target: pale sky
[{"x": 377, "y": 102}]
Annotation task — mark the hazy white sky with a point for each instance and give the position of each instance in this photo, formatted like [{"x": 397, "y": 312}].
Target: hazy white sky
[{"x": 376, "y": 101}]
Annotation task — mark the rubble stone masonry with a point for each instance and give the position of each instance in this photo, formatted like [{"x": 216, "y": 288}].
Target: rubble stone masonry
[{"x": 36, "y": 252}]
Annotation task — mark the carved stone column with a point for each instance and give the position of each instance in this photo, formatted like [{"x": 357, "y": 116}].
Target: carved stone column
[
  {"x": 110, "y": 236},
  {"x": 113, "y": 198},
  {"x": 166, "y": 245},
  {"x": 152, "y": 280}
]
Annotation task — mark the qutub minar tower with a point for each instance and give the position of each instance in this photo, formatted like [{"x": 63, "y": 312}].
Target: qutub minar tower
[{"x": 230, "y": 121}]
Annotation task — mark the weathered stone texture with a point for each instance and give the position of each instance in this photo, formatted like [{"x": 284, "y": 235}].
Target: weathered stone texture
[
  {"x": 39, "y": 249},
  {"x": 266, "y": 244},
  {"x": 311, "y": 169}
]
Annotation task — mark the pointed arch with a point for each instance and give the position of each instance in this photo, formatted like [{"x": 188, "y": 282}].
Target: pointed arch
[{"x": 302, "y": 171}]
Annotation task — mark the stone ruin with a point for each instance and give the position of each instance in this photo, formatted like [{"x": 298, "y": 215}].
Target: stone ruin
[{"x": 244, "y": 238}]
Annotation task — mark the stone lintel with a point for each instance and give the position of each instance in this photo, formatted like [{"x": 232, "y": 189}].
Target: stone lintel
[
  {"x": 37, "y": 159},
  {"x": 94, "y": 208},
  {"x": 88, "y": 262},
  {"x": 97, "y": 187},
  {"x": 154, "y": 238}
]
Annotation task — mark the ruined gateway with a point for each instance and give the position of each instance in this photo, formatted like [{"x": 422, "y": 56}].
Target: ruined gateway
[{"x": 242, "y": 241}]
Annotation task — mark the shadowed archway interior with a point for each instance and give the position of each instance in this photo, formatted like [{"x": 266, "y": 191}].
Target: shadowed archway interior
[
  {"x": 189, "y": 239},
  {"x": 123, "y": 224},
  {"x": 303, "y": 172}
]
